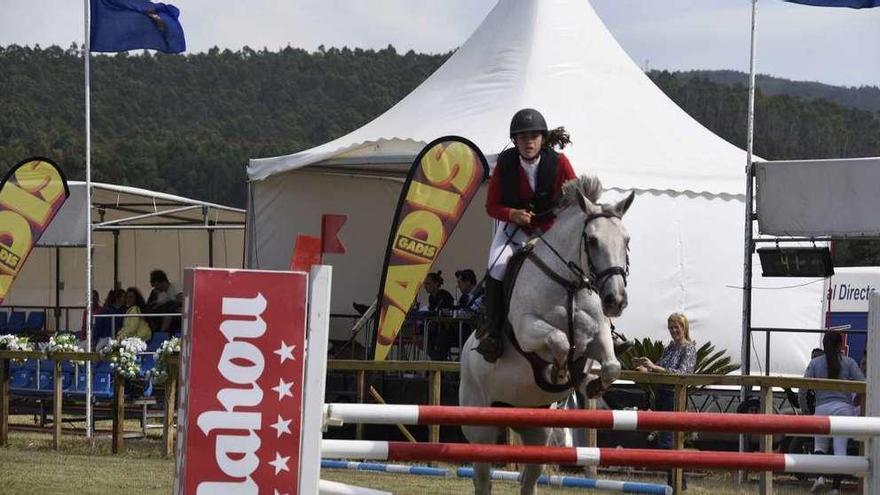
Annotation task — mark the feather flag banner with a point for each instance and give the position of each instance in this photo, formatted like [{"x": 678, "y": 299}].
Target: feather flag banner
[{"x": 852, "y": 4}]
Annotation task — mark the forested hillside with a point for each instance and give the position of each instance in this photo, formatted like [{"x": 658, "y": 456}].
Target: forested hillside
[
  {"x": 864, "y": 97},
  {"x": 188, "y": 124}
]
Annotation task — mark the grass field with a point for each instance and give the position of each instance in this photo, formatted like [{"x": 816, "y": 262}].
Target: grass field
[{"x": 28, "y": 465}]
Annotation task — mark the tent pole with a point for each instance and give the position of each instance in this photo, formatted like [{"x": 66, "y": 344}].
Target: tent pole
[
  {"x": 86, "y": 56},
  {"x": 115, "y": 259},
  {"x": 748, "y": 245},
  {"x": 211, "y": 248},
  {"x": 57, "y": 288}
]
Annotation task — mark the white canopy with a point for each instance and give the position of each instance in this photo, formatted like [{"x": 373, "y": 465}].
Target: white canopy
[
  {"x": 558, "y": 57},
  {"x": 554, "y": 55},
  {"x": 136, "y": 230}
]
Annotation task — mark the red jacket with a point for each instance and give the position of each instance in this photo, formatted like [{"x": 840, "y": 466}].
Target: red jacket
[{"x": 496, "y": 208}]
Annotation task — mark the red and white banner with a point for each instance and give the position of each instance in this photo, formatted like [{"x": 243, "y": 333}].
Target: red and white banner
[{"x": 241, "y": 382}]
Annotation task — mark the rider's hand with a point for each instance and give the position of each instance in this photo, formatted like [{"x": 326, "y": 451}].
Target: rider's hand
[{"x": 523, "y": 218}]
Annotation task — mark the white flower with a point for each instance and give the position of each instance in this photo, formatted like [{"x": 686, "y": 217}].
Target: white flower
[{"x": 160, "y": 372}]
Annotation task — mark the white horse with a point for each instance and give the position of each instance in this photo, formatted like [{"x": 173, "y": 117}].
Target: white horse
[{"x": 572, "y": 280}]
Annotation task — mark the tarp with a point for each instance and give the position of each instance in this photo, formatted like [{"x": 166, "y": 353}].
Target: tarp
[
  {"x": 819, "y": 198},
  {"x": 554, "y": 55},
  {"x": 140, "y": 250}
]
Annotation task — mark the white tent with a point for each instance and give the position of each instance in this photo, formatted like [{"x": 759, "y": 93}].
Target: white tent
[
  {"x": 136, "y": 230},
  {"x": 556, "y": 56}
]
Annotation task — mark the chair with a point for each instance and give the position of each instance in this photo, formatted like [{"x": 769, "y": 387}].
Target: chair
[
  {"x": 16, "y": 321},
  {"x": 148, "y": 362},
  {"x": 22, "y": 378},
  {"x": 47, "y": 380},
  {"x": 102, "y": 385},
  {"x": 3, "y": 316},
  {"x": 156, "y": 341},
  {"x": 36, "y": 320}
]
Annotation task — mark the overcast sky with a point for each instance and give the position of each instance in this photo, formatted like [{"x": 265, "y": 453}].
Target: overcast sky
[{"x": 836, "y": 46}]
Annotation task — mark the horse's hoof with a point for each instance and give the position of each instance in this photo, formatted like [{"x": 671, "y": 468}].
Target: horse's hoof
[
  {"x": 558, "y": 374},
  {"x": 595, "y": 388}
]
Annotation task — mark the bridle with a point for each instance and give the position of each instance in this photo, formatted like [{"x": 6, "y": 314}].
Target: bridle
[{"x": 591, "y": 280}]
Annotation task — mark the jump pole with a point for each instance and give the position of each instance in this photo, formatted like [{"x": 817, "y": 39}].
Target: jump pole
[
  {"x": 602, "y": 419},
  {"x": 576, "y": 482},
  {"x": 458, "y": 453},
  {"x": 385, "y": 468}
]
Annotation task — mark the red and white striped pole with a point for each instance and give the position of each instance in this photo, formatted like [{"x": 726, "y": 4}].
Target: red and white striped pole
[
  {"x": 602, "y": 419},
  {"x": 583, "y": 456}
]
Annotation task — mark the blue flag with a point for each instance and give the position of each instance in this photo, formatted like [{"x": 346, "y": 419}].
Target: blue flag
[
  {"x": 853, "y": 4},
  {"x": 120, "y": 25}
]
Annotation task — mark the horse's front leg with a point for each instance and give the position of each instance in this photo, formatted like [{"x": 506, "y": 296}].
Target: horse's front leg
[
  {"x": 541, "y": 335},
  {"x": 601, "y": 348}
]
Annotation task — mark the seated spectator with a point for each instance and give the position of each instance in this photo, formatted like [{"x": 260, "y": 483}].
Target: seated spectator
[
  {"x": 134, "y": 326},
  {"x": 164, "y": 298},
  {"x": 471, "y": 298},
  {"x": 439, "y": 300},
  {"x": 105, "y": 328}
]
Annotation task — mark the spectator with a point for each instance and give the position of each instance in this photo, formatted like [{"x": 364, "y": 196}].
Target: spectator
[
  {"x": 164, "y": 298},
  {"x": 810, "y": 406},
  {"x": 438, "y": 334},
  {"x": 96, "y": 310},
  {"x": 105, "y": 328},
  {"x": 471, "y": 298},
  {"x": 679, "y": 357},
  {"x": 134, "y": 326},
  {"x": 830, "y": 403},
  {"x": 438, "y": 298}
]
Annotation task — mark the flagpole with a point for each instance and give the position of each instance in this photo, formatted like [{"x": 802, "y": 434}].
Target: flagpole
[
  {"x": 86, "y": 56},
  {"x": 749, "y": 242}
]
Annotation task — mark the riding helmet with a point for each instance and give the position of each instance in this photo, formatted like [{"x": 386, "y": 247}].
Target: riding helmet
[{"x": 527, "y": 120}]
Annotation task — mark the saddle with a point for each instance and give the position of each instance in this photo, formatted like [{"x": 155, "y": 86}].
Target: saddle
[{"x": 539, "y": 365}]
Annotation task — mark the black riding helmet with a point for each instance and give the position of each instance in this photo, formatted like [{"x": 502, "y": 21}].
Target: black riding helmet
[{"x": 528, "y": 120}]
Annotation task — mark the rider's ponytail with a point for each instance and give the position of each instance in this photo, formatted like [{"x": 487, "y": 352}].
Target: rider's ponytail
[{"x": 558, "y": 137}]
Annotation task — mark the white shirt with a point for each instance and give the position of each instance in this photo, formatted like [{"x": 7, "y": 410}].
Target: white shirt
[
  {"x": 531, "y": 169},
  {"x": 168, "y": 295}
]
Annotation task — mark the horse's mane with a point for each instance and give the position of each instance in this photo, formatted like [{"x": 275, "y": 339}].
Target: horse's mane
[{"x": 588, "y": 185}]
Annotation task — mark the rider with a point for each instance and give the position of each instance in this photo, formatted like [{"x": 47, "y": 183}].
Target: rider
[{"x": 525, "y": 187}]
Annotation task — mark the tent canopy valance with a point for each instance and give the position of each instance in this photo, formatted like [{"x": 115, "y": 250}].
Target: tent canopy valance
[{"x": 116, "y": 207}]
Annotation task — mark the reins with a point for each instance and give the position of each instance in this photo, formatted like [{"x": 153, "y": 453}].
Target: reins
[{"x": 590, "y": 281}]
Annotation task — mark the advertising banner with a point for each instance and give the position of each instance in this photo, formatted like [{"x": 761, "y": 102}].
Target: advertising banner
[
  {"x": 31, "y": 194},
  {"x": 443, "y": 180},
  {"x": 241, "y": 401}
]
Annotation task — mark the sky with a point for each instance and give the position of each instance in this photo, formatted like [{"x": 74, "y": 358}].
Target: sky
[{"x": 830, "y": 45}]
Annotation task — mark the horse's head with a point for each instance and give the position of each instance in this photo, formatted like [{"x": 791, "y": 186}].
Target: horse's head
[{"x": 606, "y": 244}]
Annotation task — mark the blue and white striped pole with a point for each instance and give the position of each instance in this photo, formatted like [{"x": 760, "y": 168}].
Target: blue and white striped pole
[
  {"x": 575, "y": 482},
  {"x": 384, "y": 468}
]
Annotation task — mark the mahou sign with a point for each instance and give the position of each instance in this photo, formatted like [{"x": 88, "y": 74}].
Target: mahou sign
[{"x": 242, "y": 382}]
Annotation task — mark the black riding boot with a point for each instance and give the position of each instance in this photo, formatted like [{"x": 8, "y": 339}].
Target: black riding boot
[{"x": 490, "y": 346}]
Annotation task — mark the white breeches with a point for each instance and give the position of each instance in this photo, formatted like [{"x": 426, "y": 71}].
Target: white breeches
[
  {"x": 835, "y": 408},
  {"x": 508, "y": 240}
]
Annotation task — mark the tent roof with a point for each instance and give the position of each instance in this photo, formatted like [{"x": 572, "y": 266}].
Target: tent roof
[
  {"x": 126, "y": 206},
  {"x": 123, "y": 207},
  {"x": 556, "y": 56}
]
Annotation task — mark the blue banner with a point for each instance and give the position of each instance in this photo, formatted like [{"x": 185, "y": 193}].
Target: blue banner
[
  {"x": 121, "y": 25},
  {"x": 853, "y": 4}
]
